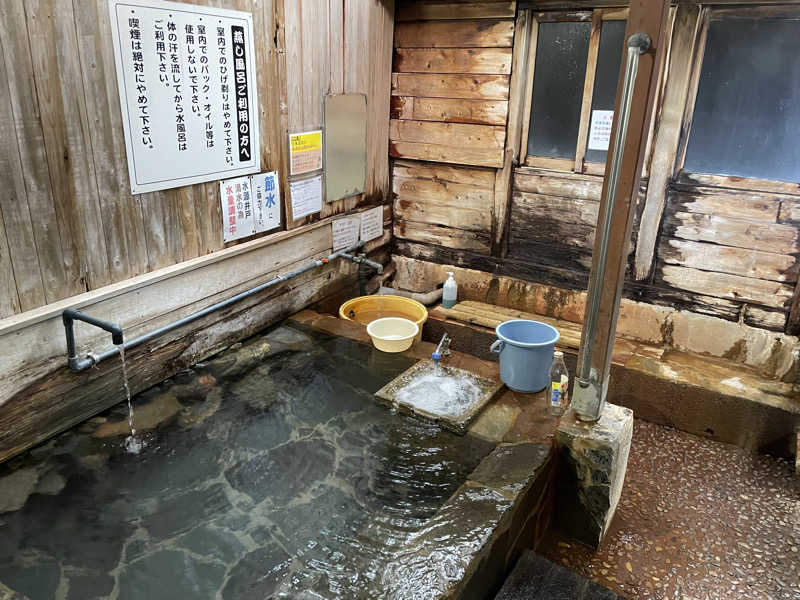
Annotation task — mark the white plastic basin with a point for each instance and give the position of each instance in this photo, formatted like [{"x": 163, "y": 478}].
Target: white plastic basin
[{"x": 392, "y": 334}]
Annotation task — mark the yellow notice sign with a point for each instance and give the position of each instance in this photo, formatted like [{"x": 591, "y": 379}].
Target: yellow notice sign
[{"x": 305, "y": 152}]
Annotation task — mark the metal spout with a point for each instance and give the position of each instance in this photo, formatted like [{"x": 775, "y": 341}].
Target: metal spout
[
  {"x": 442, "y": 350},
  {"x": 69, "y": 316}
]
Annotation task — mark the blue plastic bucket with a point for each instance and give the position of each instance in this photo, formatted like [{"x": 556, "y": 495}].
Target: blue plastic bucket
[{"x": 526, "y": 354}]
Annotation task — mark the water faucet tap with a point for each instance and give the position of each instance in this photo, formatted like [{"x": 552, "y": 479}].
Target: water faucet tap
[
  {"x": 69, "y": 316},
  {"x": 442, "y": 350}
]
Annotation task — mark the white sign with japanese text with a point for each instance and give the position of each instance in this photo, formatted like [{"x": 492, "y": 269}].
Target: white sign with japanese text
[
  {"x": 237, "y": 208},
  {"x": 187, "y": 87},
  {"x": 372, "y": 224},
  {"x": 600, "y": 129},
  {"x": 345, "y": 232},
  {"x": 267, "y": 203},
  {"x": 306, "y": 196}
]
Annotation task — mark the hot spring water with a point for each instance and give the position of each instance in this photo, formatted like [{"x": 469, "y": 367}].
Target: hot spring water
[
  {"x": 440, "y": 392},
  {"x": 270, "y": 471}
]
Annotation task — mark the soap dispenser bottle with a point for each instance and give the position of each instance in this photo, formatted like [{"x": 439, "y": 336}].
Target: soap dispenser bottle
[{"x": 450, "y": 292}]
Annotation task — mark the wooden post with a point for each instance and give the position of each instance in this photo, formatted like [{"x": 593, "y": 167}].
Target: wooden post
[
  {"x": 649, "y": 17},
  {"x": 502, "y": 185}
]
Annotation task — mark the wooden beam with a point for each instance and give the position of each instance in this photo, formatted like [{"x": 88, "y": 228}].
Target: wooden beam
[
  {"x": 502, "y": 185},
  {"x": 454, "y": 34},
  {"x": 739, "y": 183},
  {"x": 533, "y": 44},
  {"x": 651, "y": 18},
  {"x": 668, "y": 130},
  {"x": 449, "y": 110},
  {"x": 588, "y": 91},
  {"x": 424, "y": 11},
  {"x": 490, "y": 61},
  {"x": 484, "y": 87},
  {"x": 793, "y": 322}
]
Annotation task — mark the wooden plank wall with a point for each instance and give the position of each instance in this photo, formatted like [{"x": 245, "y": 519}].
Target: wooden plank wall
[
  {"x": 735, "y": 248},
  {"x": 68, "y": 222},
  {"x": 449, "y": 109},
  {"x": 725, "y": 252}
]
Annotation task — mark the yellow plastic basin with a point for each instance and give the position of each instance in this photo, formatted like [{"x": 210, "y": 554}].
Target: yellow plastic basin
[
  {"x": 366, "y": 309},
  {"x": 392, "y": 334}
]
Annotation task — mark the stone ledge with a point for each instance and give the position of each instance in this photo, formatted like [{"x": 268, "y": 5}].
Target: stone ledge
[
  {"x": 466, "y": 548},
  {"x": 706, "y": 396}
]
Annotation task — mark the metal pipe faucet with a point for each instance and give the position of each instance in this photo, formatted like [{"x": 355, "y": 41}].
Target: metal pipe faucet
[{"x": 442, "y": 350}]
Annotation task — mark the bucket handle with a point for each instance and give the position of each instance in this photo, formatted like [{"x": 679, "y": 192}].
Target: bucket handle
[{"x": 497, "y": 346}]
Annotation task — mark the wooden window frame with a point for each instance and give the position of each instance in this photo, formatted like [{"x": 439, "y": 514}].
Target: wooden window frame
[
  {"x": 710, "y": 14},
  {"x": 578, "y": 164}
]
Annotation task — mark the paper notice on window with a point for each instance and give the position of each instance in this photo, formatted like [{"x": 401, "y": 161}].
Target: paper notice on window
[
  {"x": 305, "y": 152},
  {"x": 306, "y": 196},
  {"x": 237, "y": 208},
  {"x": 600, "y": 129},
  {"x": 345, "y": 232},
  {"x": 267, "y": 203},
  {"x": 372, "y": 224}
]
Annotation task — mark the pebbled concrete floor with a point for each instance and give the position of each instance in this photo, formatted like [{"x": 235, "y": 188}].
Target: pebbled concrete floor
[{"x": 698, "y": 519}]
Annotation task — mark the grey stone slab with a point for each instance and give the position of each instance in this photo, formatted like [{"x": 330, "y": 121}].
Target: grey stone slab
[
  {"x": 593, "y": 460},
  {"x": 458, "y": 414},
  {"x": 172, "y": 515},
  {"x": 283, "y": 472},
  {"x": 510, "y": 467},
  {"x": 89, "y": 587},
  {"x": 6, "y": 593},
  {"x": 258, "y": 574},
  {"x": 167, "y": 575},
  {"x": 212, "y": 542},
  {"x": 438, "y": 558},
  {"x": 37, "y": 578},
  {"x": 536, "y": 578}
]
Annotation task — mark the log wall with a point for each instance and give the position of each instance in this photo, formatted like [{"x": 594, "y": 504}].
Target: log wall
[
  {"x": 68, "y": 222},
  {"x": 449, "y": 109},
  {"x": 72, "y": 235},
  {"x": 719, "y": 247}
]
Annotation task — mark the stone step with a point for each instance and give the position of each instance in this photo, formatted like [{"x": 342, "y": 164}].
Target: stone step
[{"x": 536, "y": 578}]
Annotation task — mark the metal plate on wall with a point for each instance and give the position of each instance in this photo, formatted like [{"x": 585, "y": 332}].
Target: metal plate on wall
[{"x": 345, "y": 145}]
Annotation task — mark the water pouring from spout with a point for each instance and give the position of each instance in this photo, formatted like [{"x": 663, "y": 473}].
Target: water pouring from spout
[{"x": 132, "y": 444}]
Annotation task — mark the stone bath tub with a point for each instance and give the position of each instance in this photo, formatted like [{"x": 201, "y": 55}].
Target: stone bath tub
[{"x": 270, "y": 471}]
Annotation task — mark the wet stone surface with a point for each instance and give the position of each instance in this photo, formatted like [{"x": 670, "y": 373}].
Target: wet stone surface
[
  {"x": 270, "y": 471},
  {"x": 593, "y": 458},
  {"x": 697, "y": 519},
  {"x": 440, "y": 393}
]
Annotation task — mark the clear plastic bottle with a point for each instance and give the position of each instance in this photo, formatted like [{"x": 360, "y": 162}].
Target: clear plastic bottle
[
  {"x": 450, "y": 292},
  {"x": 559, "y": 385}
]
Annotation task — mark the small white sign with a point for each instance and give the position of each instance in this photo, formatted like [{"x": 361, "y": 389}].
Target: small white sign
[
  {"x": 187, "y": 86},
  {"x": 306, "y": 196},
  {"x": 372, "y": 224},
  {"x": 267, "y": 205},
  {"x": 345, "y": 232},
  {"x": 237, "y": 208},
  {"x": 600, "y": 129}
]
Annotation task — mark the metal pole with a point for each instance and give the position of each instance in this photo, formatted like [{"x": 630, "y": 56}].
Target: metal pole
[
  {"x": 77, "y": 364},
  {"x": 588, "y": 406}
]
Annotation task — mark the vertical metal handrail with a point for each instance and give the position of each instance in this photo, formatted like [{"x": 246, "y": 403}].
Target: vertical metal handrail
[{"x": 637, "y": 45}]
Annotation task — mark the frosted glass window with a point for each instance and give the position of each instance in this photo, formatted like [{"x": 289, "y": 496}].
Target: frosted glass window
[
  {"x": 746, "y": 119},
  {"x": 561, "y": 56}
]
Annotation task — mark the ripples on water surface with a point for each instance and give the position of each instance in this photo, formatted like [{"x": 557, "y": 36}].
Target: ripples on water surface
[{"x": 284, "y": 480}]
